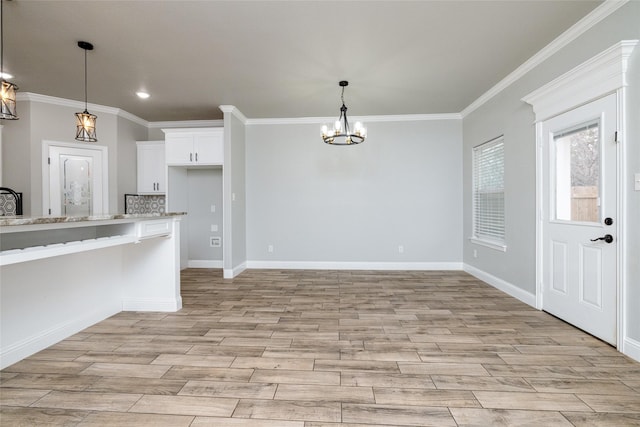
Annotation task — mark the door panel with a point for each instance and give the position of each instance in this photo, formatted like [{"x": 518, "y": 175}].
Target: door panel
[
  {"x": 75, "y": 182},
  {"x": 579, "y": 191}
]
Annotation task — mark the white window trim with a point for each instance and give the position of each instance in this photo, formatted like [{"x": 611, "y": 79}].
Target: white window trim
[{"x": 492, "y": 243}]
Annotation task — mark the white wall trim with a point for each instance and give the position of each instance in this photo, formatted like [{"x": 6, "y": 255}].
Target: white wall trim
[
  {"x": 604, "y": 73},
  {"x": 506, "y": 287},
  {"x": 234, "y": 110},
  {"x": 230, "y": 273},
  {"x": 152, "y": 304},
  {"x": 186, "y": 124},
  {"x": 204, "y": 263},
  {"x": 367, "y": 119},
  {"x": 631, "y": 348},
  {"x": 94, "y": 108},
  {"x": 579, "y": 28},
  {"x": 30, "y": 345},
  {"x": 346, "y": 265}
]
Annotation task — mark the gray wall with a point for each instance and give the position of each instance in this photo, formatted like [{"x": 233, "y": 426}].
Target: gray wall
[
  {"x": 507, "y": 114},
  {"x": 22, "y": 150},
  {"x": 204, "y": 188},
  {"x": 127, "y": 159},
  {"x": 633, "y": 197},
  {"x": 315, "y": 202}
]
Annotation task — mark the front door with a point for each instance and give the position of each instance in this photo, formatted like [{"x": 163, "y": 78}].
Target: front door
[{"x": 579, "y": 223}]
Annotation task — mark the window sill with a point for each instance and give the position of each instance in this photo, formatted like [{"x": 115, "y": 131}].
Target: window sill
[{"x": 489, "y": 244}]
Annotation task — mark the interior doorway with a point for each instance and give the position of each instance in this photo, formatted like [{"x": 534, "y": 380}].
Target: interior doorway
[{"x": 75, "y": 179}]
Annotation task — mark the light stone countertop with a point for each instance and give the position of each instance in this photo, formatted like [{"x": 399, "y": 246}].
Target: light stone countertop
[{"x": 29, "y": 220}]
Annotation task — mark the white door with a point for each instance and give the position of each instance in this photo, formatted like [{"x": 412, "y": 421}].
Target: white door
[
  {"x": 579, "y": 223},
  {"x": 77, "y": 182}
]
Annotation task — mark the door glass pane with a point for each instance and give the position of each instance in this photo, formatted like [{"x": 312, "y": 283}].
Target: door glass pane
[
  {"x": 76, "y": 185},
  {"x": 577, "y": 169}
]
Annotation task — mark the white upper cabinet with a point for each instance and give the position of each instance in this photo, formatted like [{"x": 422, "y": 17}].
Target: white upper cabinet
[
  {"x": 151, "y": 167},
  {"x": 194, "y": 147}
]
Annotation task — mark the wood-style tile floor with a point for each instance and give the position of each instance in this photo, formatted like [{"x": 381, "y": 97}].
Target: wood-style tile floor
[{"x": 326, "y": 348}]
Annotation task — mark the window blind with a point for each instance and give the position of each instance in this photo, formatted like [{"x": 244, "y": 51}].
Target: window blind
[{"x": 488, "y": 191}]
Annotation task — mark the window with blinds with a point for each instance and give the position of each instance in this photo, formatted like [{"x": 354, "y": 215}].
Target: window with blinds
[{"x": 488, "y": 192}]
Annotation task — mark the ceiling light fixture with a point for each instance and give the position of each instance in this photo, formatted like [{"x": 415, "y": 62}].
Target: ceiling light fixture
[
  {"x": 86, "y": 122},
  {"x": 341, "y": 133},
  {"x": 142, "y": 94},
  {"x": 7, "y": 89}
]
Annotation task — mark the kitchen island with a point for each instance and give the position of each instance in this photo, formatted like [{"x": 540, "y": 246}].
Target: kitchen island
[{"x": 60, "y": 275}]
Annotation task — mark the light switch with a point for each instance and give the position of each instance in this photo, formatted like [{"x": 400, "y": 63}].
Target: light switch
[
  {"x": 214, "y": 227},
  {"x": 636, "y": 179}
]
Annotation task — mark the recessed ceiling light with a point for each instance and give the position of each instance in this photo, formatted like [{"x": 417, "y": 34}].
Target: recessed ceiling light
[
  {"x": 143, "y": 95},
  {"x": 6, "y": 75}
]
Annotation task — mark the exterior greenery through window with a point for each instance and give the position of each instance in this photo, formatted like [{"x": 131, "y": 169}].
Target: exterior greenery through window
[{"x": 488, "y": 192}]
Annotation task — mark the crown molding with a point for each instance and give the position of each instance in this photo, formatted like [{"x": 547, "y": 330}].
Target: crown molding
[
  {"x": 367, "y": 119},
  {"x": 186, "y": 124},
  {"x": 63, "y": 102},
  {"x": 234, "y": 110},
  {"x": 579, "y": 28},
  {"x": 600, "y": 75}
]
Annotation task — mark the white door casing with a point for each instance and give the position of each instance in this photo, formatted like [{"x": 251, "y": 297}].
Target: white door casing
[
  {"x": 579, "y": 274},
  {"x": 604, "y": 74},
  {"x": 55, "y": 155}
]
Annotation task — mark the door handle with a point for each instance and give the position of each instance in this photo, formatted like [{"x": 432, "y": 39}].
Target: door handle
[{"x": 607, "y": 238}]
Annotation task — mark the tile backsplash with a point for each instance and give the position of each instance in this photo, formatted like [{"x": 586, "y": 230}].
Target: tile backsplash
[{"x": 139, "y": 204}]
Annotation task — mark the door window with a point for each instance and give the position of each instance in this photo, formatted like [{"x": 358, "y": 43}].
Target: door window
[{"x": 577, "y": 173}]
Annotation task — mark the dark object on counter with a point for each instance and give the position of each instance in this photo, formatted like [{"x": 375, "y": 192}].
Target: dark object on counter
[{"x": 16, "y": 196}]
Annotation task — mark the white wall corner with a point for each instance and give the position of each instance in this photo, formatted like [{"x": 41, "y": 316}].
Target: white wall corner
[
  {"x": 506, "y": 287},
  {"x": 230, "y": 273},
  {"x": 631, "y": 348},
  {"x": 234, "y": 110}
]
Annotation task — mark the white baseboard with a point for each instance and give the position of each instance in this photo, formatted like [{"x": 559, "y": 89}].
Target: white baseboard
[
  {"x": 339, "y": 265},
  {"x": 230, "y": 273},
  {"x": 504, "y": 286},
  {"x": 152, "y": 304},
  {"x": 631, "y": 348},
  {"x": 204, "y": 263},
  {"x": 33, "y": 344}
]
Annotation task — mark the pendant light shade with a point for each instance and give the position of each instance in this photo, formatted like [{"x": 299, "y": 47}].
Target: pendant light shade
[
  {"x": 7, "y": 89},
  {"x": 85, "y": 121},
  {"x": 342, "y": 134}
]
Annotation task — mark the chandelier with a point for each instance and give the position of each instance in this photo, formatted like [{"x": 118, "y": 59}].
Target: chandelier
[
  {"x": 7, "y": 89},
  {"x": 86, "y": 122},
  {"x": 341, "y": 134}
]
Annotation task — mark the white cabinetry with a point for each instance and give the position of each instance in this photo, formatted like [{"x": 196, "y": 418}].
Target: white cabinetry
[
  {"x": 151, "y": 167},
  {"x": 194, "y": 147}
]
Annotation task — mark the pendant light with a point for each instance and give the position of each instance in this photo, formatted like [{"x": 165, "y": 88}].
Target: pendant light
[
  {"x": 341, "y": 134},
  {"x": 7, "y": 89},
  {"x": 86, "y": 122}
]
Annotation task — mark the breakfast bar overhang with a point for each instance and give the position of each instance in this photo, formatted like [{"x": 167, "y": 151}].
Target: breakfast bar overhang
[{"x": 60, "y": 275}]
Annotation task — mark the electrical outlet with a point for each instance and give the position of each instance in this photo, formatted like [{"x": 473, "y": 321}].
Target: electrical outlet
[
  {"x": 475, "y": 253},
  {"x": 401, "y": 249},
  {"x": 215, "y": 241},
  {"x": 214, "y": 227},
  {"x": 270, "y": 248},
  {"x": 213, "y": 208}
]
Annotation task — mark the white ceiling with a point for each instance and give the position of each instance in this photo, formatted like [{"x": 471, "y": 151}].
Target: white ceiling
[{"x": 277, "y": 59}]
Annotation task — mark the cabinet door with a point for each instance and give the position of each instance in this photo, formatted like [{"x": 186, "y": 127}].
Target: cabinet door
[
  {"x": 209, "y": 148},
  {"x": 179, "y": 149},
  {"x": 151, "y": 166}
]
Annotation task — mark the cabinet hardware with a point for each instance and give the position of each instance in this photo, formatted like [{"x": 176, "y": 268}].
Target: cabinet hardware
[{"x": 196, "y": 157}]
